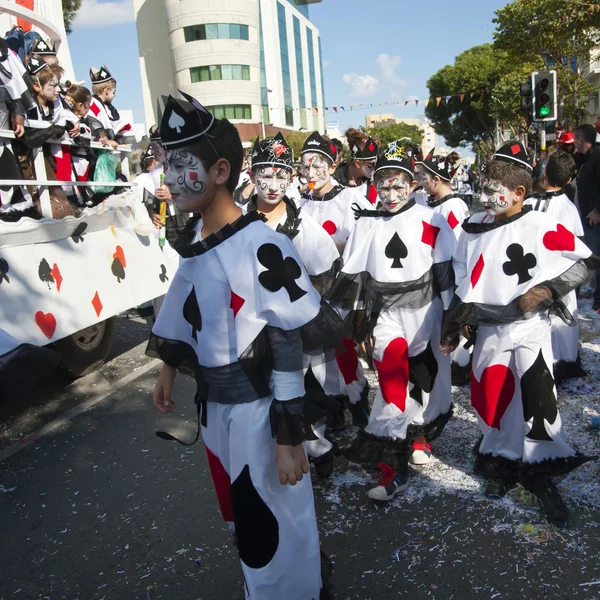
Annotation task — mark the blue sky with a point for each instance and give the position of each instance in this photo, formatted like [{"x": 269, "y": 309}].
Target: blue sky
[{"x": 370, "y": 56}]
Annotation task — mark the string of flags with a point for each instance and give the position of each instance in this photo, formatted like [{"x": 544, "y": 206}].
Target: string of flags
[{"x": 424, "y": 102}]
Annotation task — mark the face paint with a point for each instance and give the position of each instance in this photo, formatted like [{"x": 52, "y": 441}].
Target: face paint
[
  {"x": 419, "y": 175},
  {"x": 159, "y": 151},
  {"x": 272, "y": 184},
  {"x": 427, "y": 180},
  {"x": 366, "y": 167},
  {"x": 393, "y": 192},
  {"x": 495, "y": 197},
  {"x": 186, "y": 179},
  {"x": 315, "y": 167},
  {"x": 50, "y": 90}
]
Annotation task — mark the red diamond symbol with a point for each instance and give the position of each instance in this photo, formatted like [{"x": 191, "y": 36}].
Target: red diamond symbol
[
  {"x": 452, "y": 220},
  {"x": 477, "y": 270},
  {"x": 430, "y": 233},
  {"x": 372, "y": 194},
  {"x": 97, "y": 304},
  {"x": 515, "y": 149},
  {"x": 371, "y": 147},
  {"x": 236, "y": 303}
]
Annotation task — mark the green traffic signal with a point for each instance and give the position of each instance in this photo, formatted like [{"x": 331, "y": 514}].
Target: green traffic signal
[{"x": 544, "y": 111}]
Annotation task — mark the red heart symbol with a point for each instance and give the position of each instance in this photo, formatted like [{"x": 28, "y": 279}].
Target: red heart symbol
[
  {"x": 330, "y": 227},
  {"x": 559, "y": 240},
  {"x": 393, "y": 373},
  {"x": 347, "y": 361},
  {"x": 46, "y": 322},
  {"x": 120, "y": 255},
  {"x": 491, "y": 396}
]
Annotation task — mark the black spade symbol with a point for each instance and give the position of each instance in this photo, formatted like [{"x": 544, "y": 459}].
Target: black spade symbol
[
  {"x": 163, "y": 274},
  {"x": 519, "y": 263},
  {"x": 396, "y": 250},
  {"x": 44, "y": 272},
  {"x": 256, "y": 527},
  {"x": 191, "y": 313},
  {"x": 117, "y": 269},
  {"x": 77, "y": 235},
  {"x": 4, "y": 269},
  {"x": 539, "y": 401},
  {"x": 280, "y": 273}
]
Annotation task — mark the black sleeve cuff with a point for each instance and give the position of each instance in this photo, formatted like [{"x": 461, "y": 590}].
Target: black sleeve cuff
[{"x": 287, "y": 423}]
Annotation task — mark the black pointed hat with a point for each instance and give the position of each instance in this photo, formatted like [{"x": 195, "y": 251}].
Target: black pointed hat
[
  {"x": 514, "y": 152},
  {"x": 271, "y": 152},
  {"x": 43, "y": 48},
  {"x": 36, "y": 64},
  {"x": 440, "y": 166},
  {"x": 184, "y": 121},
  {"x": 101, "y": 75},
  {"x": 370, "y": 151},
  {"x": 154, "y": 134},
  {"x": 396, "y": 157},
  {"x": 315, "y": 142}
]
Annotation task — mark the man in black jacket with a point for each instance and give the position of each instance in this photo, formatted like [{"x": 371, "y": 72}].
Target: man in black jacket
[{"x": 588, "y": 193}]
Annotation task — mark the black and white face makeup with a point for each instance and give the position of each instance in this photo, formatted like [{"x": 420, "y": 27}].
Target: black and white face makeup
[
  {"x": 159, "y": 151},
  {"x": 365, "y": 167},
  {"x": 495, "y": 197},
  {"x": 272, "y": 183},
  {"x": 428, "y": 181},
  {"x": 186, "y": 179},
  {"x": 316, "y": 169},
  {"x": 393, "y": 190}
]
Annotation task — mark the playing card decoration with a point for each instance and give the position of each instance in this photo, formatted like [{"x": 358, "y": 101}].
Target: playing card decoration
[
  {"x": 395, "y": 158},
  {"x": 43, "y": 48},
  {"x": 519, "y": 264},
  {"x": 315, "y": 143},
  {"x": 393, "y": 373},
  {"x": 101, "y": 75},
  {"x": 423, "y": 370},
  {"x": 46, "y": 322},
  {"x": 396, "y": 250},
  {"x": 163, "y": 274},
  {"x": 35, "y": 65},
  {"x": 4, "y": 269},
  {"x": 97, "y": 304},
  {"x": 441, "y": 166},
  {"x": 368, "y": 152},
  {"x": 280, "y": 273},
  {"x": 184, "y": 121},
  {"x": 44, "y": 272},
  {"x": 514, "y": 153},
  {"x": 561, "y": 240},
  {"x": 492, "y": 394},
  {"x": 539, "y": 400},
  {"x": 77, "y": 235},
  {"x": 118, "y": 264},
  {"x": 191, "y": 313},
  {"x": 271, "y": 152}
]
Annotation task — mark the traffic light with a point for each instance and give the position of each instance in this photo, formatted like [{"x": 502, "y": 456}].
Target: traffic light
[
  {"x": 527, "y": 97},
  {"x": 545, "y": 105}
]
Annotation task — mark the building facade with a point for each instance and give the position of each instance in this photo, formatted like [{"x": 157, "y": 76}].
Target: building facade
[{"x": 254, "y": 62}]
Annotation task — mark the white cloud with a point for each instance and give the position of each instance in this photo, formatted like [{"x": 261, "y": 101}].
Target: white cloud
[
  {"x": 95, "y": 15},
  {"x": 388, "y": 65},
  {"x": 361, "y": 85},
  {"x": 327, "y": 64}
]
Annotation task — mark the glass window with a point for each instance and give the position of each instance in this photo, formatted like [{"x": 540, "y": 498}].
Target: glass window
[
  {"x": 244, "y": 32},
  {"x": 215, "y": 72},
  {"x": 212, "y": 31},
  {"x": 230, "y": 111},
  {"x": 246, "y": 72},
  {"x": 226, "y": 72},
  {"x": 234, "y": 32},
  {"x": 236, "y": 72},
  {"x": 223, "y": 29}
]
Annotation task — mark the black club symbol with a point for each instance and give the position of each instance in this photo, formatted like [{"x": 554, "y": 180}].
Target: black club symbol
[{"x": 519, "y": 263}]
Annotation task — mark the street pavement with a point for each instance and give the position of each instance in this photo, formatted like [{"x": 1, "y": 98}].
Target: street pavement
[{"x": 94, "y": 506}]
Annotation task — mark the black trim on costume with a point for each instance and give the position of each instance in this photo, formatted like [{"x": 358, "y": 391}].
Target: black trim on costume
[
  {"x": 113, "y": 113},
  {"x": 330, "y": 195},
  {"x": 364, "y": 212},
  {"x": 432, "y": 203},
  {"x": 484, "y": 227},
  {"x": 291, "y": 227}
]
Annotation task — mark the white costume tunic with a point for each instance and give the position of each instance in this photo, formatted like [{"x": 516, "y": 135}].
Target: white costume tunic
[
  {"x": 565, "y": 339},
  {"x": 108, "y": 116},
  {"x": 239, "y": 315},
  {"x": 512, "y": 381},
  {"x": 453, "y": 209},
  {"x": 398, "y": 270},
  {"x": 420, "y": 196}
]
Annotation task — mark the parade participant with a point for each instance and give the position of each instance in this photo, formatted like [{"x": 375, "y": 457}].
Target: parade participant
[
  {"x": 512, "y": 266},
  {"x": 44, "y": 50},
  {"x": 560, "y": 170},
  {"x": 358, "y": 171},
  {"x": 438, "y": 172},
  {"x": 239, "y": 315},
  {"x": 104, "y": 87},
  {"x": 332, "y": 207},
  {"x": 397, "y": 278}
]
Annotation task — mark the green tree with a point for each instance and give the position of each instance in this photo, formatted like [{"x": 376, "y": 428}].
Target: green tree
[
  {"x": 70, "y": 8},
  {"x": 396, "y": 131}
]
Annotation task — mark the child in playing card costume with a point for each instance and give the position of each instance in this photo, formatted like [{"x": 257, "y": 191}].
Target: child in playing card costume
[
  {"x": 271, "y": 176},
  {"x": 513, "y": 265},
  {"x": 397, "y": 279},
  {"x": 559, "y": 171},
  {"x": 331, "y": 206},
  {"x": 239, "y": 316}
]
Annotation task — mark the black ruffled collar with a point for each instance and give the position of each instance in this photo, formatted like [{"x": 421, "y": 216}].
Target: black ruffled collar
[
  {"x": 548, "y": 195},
  {"x": 186, "y": 247},
  {"x": 112, "y": 111},
  {"x": 330, "y": 195},
  {"x": 363, "y": 212},
  {"x": 292, "y": 221},
  {"x": 483, "y": 227},
  {"x": 432, "y": 203}
]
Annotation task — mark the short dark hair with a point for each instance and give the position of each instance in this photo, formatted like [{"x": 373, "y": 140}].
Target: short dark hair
[
  {"x": 508, "y": 174},
  {"x": 587, "y": 132},
  {"x": 560, "y": 169},
  {"x": 223, "y": 141}
]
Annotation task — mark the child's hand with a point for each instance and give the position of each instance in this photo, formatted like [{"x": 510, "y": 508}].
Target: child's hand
[
  {"x": 163, "y": 193},
  {"x": 533, "y": 298},
  {"x": 292, "y": 463},
  {"x": 18, "y": 123},
  {"x": 157, "y": 220},
  {"x": 163, "y": 390},
  {"x": 76, "y": 131}
]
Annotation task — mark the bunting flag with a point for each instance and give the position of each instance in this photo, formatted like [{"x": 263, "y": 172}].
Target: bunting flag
[
  {"x": 343, "y": 108},
  {"x": 335, "y": 108},
  {"x": 448, "y": 99},
  {"x": 416, "y": 103},
  {"x": 461, "y": 96},
  {"x": 438, "y": 100},
  {"x": 406, "y": 102}
]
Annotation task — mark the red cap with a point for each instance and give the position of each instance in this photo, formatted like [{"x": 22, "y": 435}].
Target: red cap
[{"x": 567, "y": 138}]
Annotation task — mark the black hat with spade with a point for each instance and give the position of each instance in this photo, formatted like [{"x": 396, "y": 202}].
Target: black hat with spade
[
  {"x": 271, "y": 152},
  {"x": 184, "y": 121},
  {"x": 315, "y": 142},
  {"x": 514, "y": 153},
  {"x": 43, "y": 48},
  {"x": 395, "y": 157},
  {"x": 440, "y": 166},
  {"x": 35, "y": 65},
  {"x": 369, "y": 152},
  {"x": 101, "y": 75}
]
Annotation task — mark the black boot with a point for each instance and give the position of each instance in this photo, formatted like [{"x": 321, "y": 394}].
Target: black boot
[
  {"x": 500, "y": 474},
  {"x": 326, "y": 573},
  {"x": 336, "y": 420},
  {"x": 324, "y": 464},
  {"x": 461, "y": 376},
  {"x": 360, "y": 411},
  {"x": 540, "y": 484}
]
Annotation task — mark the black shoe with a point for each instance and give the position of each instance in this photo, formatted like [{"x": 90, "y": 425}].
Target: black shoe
[
  {"x": 553, "y": 506},
  {"x": 461, "y": 376},
  {"x": 324, "y": 464},
  {"x": 337, "y": 420},
  {"x": 360, "y": 411},
  {"x": 495, "y": 488}
]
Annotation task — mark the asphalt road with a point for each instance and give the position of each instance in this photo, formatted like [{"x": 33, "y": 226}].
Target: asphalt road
[{"x": 94, "y": 506}]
